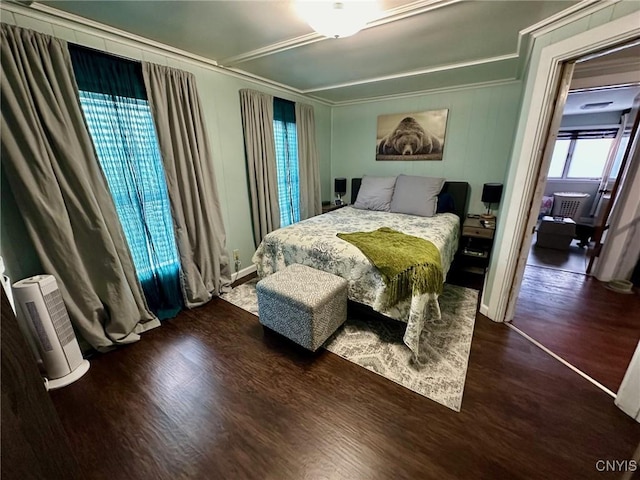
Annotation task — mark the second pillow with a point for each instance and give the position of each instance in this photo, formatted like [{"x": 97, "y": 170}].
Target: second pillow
[{"x": 415, "y": 195}]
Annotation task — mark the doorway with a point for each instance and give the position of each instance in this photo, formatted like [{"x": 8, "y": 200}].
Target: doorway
[
  {"x": 594, "y": 133},
  {"x": 562, "y": 308}
]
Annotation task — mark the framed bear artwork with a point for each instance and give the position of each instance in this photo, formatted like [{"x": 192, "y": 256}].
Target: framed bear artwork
[{"x": 411, "y": 136}]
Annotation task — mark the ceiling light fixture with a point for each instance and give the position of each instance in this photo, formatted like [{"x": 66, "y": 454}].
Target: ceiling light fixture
[
  {"x": 337, "y": 19},
  {"x": 593, "y": 106}
]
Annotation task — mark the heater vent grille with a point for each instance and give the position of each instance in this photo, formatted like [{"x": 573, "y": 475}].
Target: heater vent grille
[
  {"x": 38, "y": 326},
  {"x": 59, "y": 317}
]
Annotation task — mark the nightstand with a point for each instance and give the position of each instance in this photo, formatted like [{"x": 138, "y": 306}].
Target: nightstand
[
  {"x": 331, "y": 207},
  {"x": 475, "y": 245}
]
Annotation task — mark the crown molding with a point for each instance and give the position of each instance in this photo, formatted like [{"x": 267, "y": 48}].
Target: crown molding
[
  {"x": 574, "y": 12},
  {"x": 81, "y": 24},
  {"x": 395, "y": 96},
  {"x": 388, "y": 16},
  {"x": 85, "y": 25},
  {"x": 273, "y": 49},
  {"x": 564, "y": 17},
  {"x": 413, "y": 73},
  {"x": 234, "y": 72},
  {"x": 77, "y": 23},
  {"x": 558, "y": 20},
  {"x": 571, "y": 14},
  {"x": 432, "y": 91}
]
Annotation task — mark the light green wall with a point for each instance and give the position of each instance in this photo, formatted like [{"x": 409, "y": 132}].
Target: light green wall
[
  {"x": 601, "y": 17},
  {"x": 480, "y": 129},
  {"x": 221, "y": 104},
  {"x": 20, "y": 261}
]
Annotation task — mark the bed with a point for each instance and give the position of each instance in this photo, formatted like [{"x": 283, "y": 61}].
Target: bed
[{"x": 313, "y": 242}]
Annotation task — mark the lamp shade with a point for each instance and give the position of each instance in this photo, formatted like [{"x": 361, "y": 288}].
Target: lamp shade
[
  {"x": 340, "y": 186},
  {"x": 491, "y": 192}
]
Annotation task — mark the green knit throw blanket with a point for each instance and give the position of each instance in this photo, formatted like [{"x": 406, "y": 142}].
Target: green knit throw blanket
[{"x": 409, "y": 265}]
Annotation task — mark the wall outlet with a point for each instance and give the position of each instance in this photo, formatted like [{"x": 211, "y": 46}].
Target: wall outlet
[{"x": 236, "y": 260}]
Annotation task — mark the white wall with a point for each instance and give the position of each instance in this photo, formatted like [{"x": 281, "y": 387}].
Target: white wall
[{"x": 628, "y": 397}]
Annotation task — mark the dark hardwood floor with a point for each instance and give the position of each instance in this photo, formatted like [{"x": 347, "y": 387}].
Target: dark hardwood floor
[
  {"x": 577, "y": 318},
  {"x": 574, "y": 259},
  {"x": 211, "y": 395}
]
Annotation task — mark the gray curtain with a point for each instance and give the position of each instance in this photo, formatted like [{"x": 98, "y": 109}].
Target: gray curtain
[
  {"x": 188, "y": 165},
  {"x": 309, "y": 168},
  {"x": 53, "y": 172},
  {"x": 257, "y": 122}
]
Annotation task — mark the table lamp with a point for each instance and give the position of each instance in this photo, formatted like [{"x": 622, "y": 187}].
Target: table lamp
[
  {"x": 340, "y": 187},
  {"x": 491, "y": 193}
]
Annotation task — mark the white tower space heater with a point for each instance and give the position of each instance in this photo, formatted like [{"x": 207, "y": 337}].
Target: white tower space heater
[{"x": 41, "y": 308}]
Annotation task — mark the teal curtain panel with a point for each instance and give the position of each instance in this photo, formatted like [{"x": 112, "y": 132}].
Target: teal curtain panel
[{"x": 113, "y": 99}]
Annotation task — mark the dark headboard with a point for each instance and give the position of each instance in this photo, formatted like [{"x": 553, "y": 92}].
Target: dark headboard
[
  {"x": 355, "y": 188},
  {"x": 458, "y": 190}
]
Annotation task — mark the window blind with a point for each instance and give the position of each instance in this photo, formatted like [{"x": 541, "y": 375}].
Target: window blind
[
  {"x": 286, "y": 143},
  {"x": 117, "y": 113},
  {"x": 587, "y": 134}
]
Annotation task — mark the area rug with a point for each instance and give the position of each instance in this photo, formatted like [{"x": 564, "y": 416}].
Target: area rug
[{"x": 376, "y": 344}]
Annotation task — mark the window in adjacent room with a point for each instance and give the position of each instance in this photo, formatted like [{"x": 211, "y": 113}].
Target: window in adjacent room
[
  {"x": 622, "y": 148},
  {"x": 286, "y": 140},
  {"x": 115, "y": 106},
  {"x": 581, "y": 154}
]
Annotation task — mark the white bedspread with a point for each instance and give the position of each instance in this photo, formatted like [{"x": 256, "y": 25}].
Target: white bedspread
[{"x": 313, "y": 242}]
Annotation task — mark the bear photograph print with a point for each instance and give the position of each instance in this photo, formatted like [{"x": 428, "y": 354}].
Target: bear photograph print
[{"x": 411, "y": 136}]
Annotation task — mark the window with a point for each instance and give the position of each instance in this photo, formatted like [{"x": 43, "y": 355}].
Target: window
[
  {"x": 560, "y": 154},
  {"x": 581, "y": 154},
  {"x": 624, "y": 142},
  {"x": 120, "y": 123},
  {"x": 286, "y": 143},
  {"x": 140, "y": 196}
]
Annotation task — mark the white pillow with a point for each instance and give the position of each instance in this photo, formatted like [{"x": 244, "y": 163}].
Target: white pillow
[
  {"x": 375, "y": 193},
  {"x": 416, "y": 195}
]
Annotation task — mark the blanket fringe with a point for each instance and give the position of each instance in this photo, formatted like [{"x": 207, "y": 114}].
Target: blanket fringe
[
  {"x": 410, "y": 266},
  {"x": 415, "y": 280}
]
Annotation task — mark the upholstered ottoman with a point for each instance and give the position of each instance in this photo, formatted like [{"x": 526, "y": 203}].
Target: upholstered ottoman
[{"x": 303, "y": 304}]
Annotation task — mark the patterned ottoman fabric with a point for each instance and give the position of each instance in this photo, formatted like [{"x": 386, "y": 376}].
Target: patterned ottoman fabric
[{"x": 303, "y": 304}]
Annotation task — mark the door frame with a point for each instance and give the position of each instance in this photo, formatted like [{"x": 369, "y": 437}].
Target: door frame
[
  {"x": 621, "y": 219},
  {"x": 523, "y": 174},
  {"x": 545, "y": 153}
]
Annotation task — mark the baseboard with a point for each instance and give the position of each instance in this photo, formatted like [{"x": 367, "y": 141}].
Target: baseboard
[
  {"x": 243, "y": 273},
  {"x": 484, "y": 309},
  {"x": 561, "y": 360}
]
